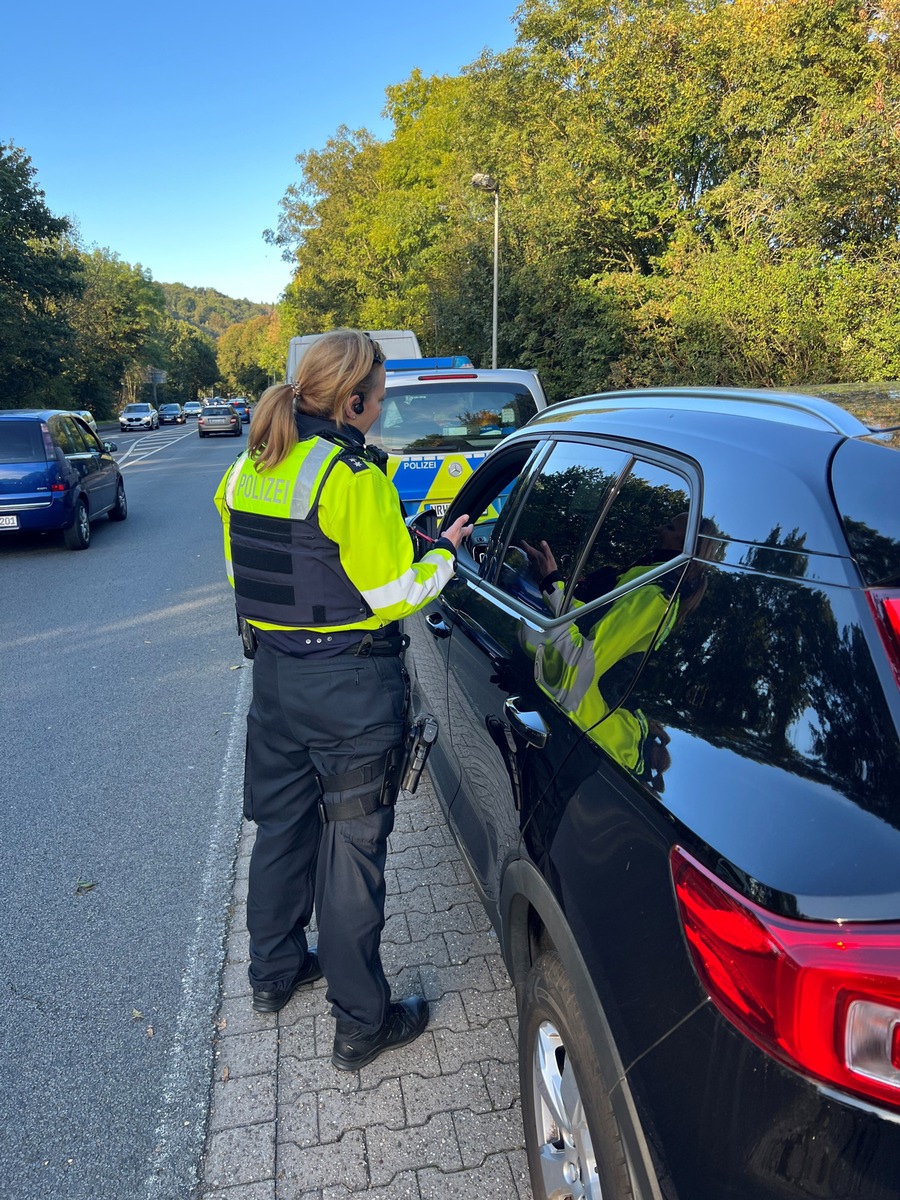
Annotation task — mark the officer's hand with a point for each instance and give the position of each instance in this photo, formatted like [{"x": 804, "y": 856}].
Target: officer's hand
[
  {"x": 458, "y": 530},
  {"x": 541, "y": 557}
]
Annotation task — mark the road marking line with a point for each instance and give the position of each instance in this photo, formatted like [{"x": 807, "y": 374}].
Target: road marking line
[
  {"x": 181, "y": 1125},
  {"x": 156, "y": 449}
]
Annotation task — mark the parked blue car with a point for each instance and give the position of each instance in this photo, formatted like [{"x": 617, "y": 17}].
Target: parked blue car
[{"x": 56, "y": 474}]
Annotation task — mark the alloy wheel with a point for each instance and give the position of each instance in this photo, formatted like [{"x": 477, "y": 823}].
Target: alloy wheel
[{"x": 568, "y": 1162}]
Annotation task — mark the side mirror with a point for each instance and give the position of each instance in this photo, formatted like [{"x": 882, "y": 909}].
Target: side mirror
[{"x": 423, "y": 529}]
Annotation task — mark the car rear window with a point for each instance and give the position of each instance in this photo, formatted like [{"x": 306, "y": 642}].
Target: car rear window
[
  {"x": 21, "y": 441},
  {"x": 217, "y": 412},
  {"x": 455, "y": 416}
]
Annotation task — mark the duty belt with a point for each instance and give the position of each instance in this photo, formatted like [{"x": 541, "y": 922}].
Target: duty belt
[{"x": 371, "y": 646}]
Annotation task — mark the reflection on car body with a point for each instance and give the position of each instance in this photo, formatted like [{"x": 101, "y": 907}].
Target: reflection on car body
[{"x": 667, "y": 675}]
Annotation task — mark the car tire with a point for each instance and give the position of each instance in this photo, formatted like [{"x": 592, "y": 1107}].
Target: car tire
[
  {"x": 119, "y": 510},
  {"x": 78, "y": 535},
  {"x": 572, "y": 1138},
  {"x": 238, "y": 431}
]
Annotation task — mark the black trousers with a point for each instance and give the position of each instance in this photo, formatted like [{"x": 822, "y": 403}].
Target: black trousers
[{"x": 312, "y": 717}]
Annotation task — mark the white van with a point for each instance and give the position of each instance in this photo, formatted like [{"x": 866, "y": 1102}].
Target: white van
[{"x": 396, "y": 344}]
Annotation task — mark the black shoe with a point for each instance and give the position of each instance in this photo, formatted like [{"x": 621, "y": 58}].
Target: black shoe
[
  {"x": 273, "y": 1002},
  {"x": 404, "y": 1022}
]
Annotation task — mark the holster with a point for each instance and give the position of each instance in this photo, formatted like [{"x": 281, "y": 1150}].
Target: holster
[
  {"x": 388, "y": 770},
  {"x": 248, "y": 636}
]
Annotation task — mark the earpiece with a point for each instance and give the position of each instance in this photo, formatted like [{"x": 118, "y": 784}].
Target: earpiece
[{"x": 358, "y": 405}]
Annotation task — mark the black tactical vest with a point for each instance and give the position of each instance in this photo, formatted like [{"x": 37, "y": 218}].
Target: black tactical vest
[{"x": 287, "y": 572}]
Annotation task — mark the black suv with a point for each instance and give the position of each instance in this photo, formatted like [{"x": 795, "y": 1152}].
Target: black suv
[{"x": 667, "y": 675}]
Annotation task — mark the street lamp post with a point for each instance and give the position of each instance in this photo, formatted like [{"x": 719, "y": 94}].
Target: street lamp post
[{"x": 487, "y": 183}]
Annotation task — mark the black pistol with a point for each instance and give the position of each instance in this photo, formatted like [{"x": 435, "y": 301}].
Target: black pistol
[{"x": 421, "y": 737}]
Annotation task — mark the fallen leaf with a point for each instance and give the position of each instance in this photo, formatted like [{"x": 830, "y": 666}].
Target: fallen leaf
[
  {"x": 82, "y": 886},
  {"x": 239, "y": 667},
  {"x": 221, "y": 1024},
  {"x": 149, "y": 1031},
  {"x": 226, "y": 1075},
  {"x": 136, "y": 1014}
]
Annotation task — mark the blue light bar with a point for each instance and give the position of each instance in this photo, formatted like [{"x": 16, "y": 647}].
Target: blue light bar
[{"x": 427, "y": 364}]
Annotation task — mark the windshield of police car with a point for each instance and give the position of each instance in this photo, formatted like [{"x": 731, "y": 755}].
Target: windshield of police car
[{"x": 455, "y": 416}]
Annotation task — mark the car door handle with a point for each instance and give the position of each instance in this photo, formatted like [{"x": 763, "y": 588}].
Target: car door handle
[
  {"x": 529, "y": 726},
  {"x": 437, "y": 625}
]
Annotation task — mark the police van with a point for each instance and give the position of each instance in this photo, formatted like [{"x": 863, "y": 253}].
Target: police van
[{"x": 439, "y": 420}]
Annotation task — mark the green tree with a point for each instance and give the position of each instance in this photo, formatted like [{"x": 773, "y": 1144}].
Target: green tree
[
  {"x": 190, "y": 361},
  {"x": 691, "y": 190},
  {"x": 39, "y": 275},
  {"x": 118, "y": 326},
  {"x": 207, "y": 309},
  {"x": 242, "y": 357}
]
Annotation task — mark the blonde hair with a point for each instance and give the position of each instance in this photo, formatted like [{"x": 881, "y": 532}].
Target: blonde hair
[{"x": 336, "y": 366}]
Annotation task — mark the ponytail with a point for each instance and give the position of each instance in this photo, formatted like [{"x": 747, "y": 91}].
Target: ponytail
[{"x": 273, "y": 433}]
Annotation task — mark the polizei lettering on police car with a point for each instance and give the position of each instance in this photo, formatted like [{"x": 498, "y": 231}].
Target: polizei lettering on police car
[{"x": 262, "y": 488}]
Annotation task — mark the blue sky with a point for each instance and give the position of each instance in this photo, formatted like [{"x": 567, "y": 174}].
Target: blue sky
[{"x": 168, "y": 132}]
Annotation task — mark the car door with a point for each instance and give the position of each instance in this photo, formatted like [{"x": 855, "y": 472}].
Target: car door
[
  {"x": 95, "y": 465},
  {"x": 500, "y": 615},
  {"x": 431, "y": 630},
  {"x": 546, "y": 650}
]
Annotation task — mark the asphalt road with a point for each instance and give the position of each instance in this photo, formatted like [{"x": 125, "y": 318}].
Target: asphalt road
[{"x": 121, "y": 750}]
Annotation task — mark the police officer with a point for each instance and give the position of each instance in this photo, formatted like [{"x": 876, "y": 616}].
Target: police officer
[{"x": 323, "y": 570}]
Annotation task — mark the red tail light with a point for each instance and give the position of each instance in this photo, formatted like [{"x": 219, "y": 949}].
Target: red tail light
[
  {"x": 885, "y": 606},
  {"x": 822, "y": 997}
]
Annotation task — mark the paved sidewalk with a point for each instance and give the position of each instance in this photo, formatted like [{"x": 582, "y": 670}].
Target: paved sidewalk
[{"x": 437, "y": 1120}]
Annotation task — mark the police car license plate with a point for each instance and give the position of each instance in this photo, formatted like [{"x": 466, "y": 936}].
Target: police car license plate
[
  {"x": 9, "y": 521},
  {"x": 440, "y": 509}
]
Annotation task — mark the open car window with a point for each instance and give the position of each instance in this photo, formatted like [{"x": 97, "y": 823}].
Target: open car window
[{"x": 571, "y": 491}]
